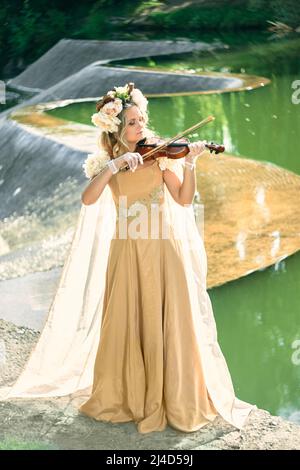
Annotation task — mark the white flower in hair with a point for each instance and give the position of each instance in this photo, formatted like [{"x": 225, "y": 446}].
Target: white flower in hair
[
  {"x": 106, "y": 118},
  {"x": 113, "y": 108},
  {"x": 139, "y": 99},
  {"x": 95, "y": 162},
  {"x": 106, "y": 122}
]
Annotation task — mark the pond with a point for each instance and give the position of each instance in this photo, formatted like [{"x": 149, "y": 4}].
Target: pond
[{"x": 258, "y": 315}]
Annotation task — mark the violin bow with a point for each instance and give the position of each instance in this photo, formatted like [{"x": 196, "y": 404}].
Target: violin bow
[{"x": 173, "y": 139}]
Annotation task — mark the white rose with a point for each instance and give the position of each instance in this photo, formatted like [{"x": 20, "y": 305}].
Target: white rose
[
  {"x": 113, "y": 108},
  {"x": 96, "y": 119},
  {"x": 105, "y": 122},
  {"x": 139, "y": 99}
]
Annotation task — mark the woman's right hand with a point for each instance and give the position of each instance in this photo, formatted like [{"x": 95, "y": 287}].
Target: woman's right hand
[{"x": 132, "y": 158}]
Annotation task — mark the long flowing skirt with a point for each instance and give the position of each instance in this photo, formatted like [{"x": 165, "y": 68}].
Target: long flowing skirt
[{"x": 148, "y": 365}]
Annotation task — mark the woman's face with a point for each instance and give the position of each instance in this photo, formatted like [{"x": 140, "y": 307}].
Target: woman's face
[{"x": 134, "y": 125}]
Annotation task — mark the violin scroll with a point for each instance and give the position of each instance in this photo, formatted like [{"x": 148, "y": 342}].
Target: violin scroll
[{"x": 215, "y": 148}]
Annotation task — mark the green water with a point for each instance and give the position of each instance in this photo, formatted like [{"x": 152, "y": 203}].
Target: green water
[
  {"x": 258, "y": 321},
  {"x": 258, "y": 315}
]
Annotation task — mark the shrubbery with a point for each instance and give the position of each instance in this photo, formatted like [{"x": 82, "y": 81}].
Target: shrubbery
[{"x": 31, "y": 27}]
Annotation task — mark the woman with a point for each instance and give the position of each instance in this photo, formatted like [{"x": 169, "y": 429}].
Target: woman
[
  {"x": 132, "y": 323},
  {"x": 148, "y": 366}
]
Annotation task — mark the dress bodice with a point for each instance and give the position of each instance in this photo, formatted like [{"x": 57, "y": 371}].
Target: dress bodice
[
  {"x": 144, "y": 185},
  {"x": 137, "y": 195}
]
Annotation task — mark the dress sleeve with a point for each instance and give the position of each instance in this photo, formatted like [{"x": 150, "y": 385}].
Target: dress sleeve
[{"x": 95, "y": 162}]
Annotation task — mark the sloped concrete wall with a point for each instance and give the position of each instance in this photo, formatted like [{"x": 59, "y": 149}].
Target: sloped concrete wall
[
  {"x": 32, "y": 166},
  {"x": 94, "y": 81},
  {"x": 69, "y": 56}
]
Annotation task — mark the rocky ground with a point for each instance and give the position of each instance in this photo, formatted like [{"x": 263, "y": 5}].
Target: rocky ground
[{"x": 56, "y": 423}]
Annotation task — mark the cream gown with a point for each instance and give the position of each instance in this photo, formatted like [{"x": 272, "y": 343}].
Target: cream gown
[
  {"x": 148, "y": 367},
  {"x": 131, "y": 329}
]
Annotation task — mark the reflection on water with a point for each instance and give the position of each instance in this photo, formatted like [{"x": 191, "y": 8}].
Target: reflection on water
[{"x": 258, "y": 322}]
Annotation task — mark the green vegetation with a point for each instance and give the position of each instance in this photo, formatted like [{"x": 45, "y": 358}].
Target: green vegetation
[
  {"x": 11, "y": 443},
  {"x": 30, "y": 27}
]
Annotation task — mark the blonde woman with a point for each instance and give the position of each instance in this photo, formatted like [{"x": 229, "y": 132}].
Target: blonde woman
[
  {"x": 131, "y": 331},
  {"x": 148, "y": 366}
]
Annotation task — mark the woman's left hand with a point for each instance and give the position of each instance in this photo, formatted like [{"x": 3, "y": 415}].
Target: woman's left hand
[{"x": 196, "y": 148}]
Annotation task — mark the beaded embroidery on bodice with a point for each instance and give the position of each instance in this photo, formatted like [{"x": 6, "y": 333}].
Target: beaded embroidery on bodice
[
  {"x": 139, "y": 198},
  {"x": 145, "y": 187}
]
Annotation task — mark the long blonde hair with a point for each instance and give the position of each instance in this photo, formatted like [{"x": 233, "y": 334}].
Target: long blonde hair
[{"x": 115, "y": 143}]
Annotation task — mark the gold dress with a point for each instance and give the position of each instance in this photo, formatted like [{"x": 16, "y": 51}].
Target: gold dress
[
  {"x": 148, "y": 368},
  {"x": 131, "y": 328}
]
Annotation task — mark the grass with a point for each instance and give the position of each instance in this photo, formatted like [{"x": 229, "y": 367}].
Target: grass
[{"x": 12, "y": 443}]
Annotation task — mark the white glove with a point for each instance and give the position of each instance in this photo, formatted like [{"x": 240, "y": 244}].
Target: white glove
[
  {"x": 132, "y": 158},
  {"x": 196, "y": 148}
]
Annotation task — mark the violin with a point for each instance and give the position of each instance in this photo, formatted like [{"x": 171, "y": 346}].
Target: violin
[{"x": 173, "y": 150}]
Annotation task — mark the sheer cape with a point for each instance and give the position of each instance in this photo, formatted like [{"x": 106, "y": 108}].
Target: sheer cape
[{"x": 62, "y": 361}]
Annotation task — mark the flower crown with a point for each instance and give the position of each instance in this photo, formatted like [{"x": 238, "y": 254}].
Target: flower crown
[
  {"x": 111, "y": 104},
  {"x": 108, "y": 107}
]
